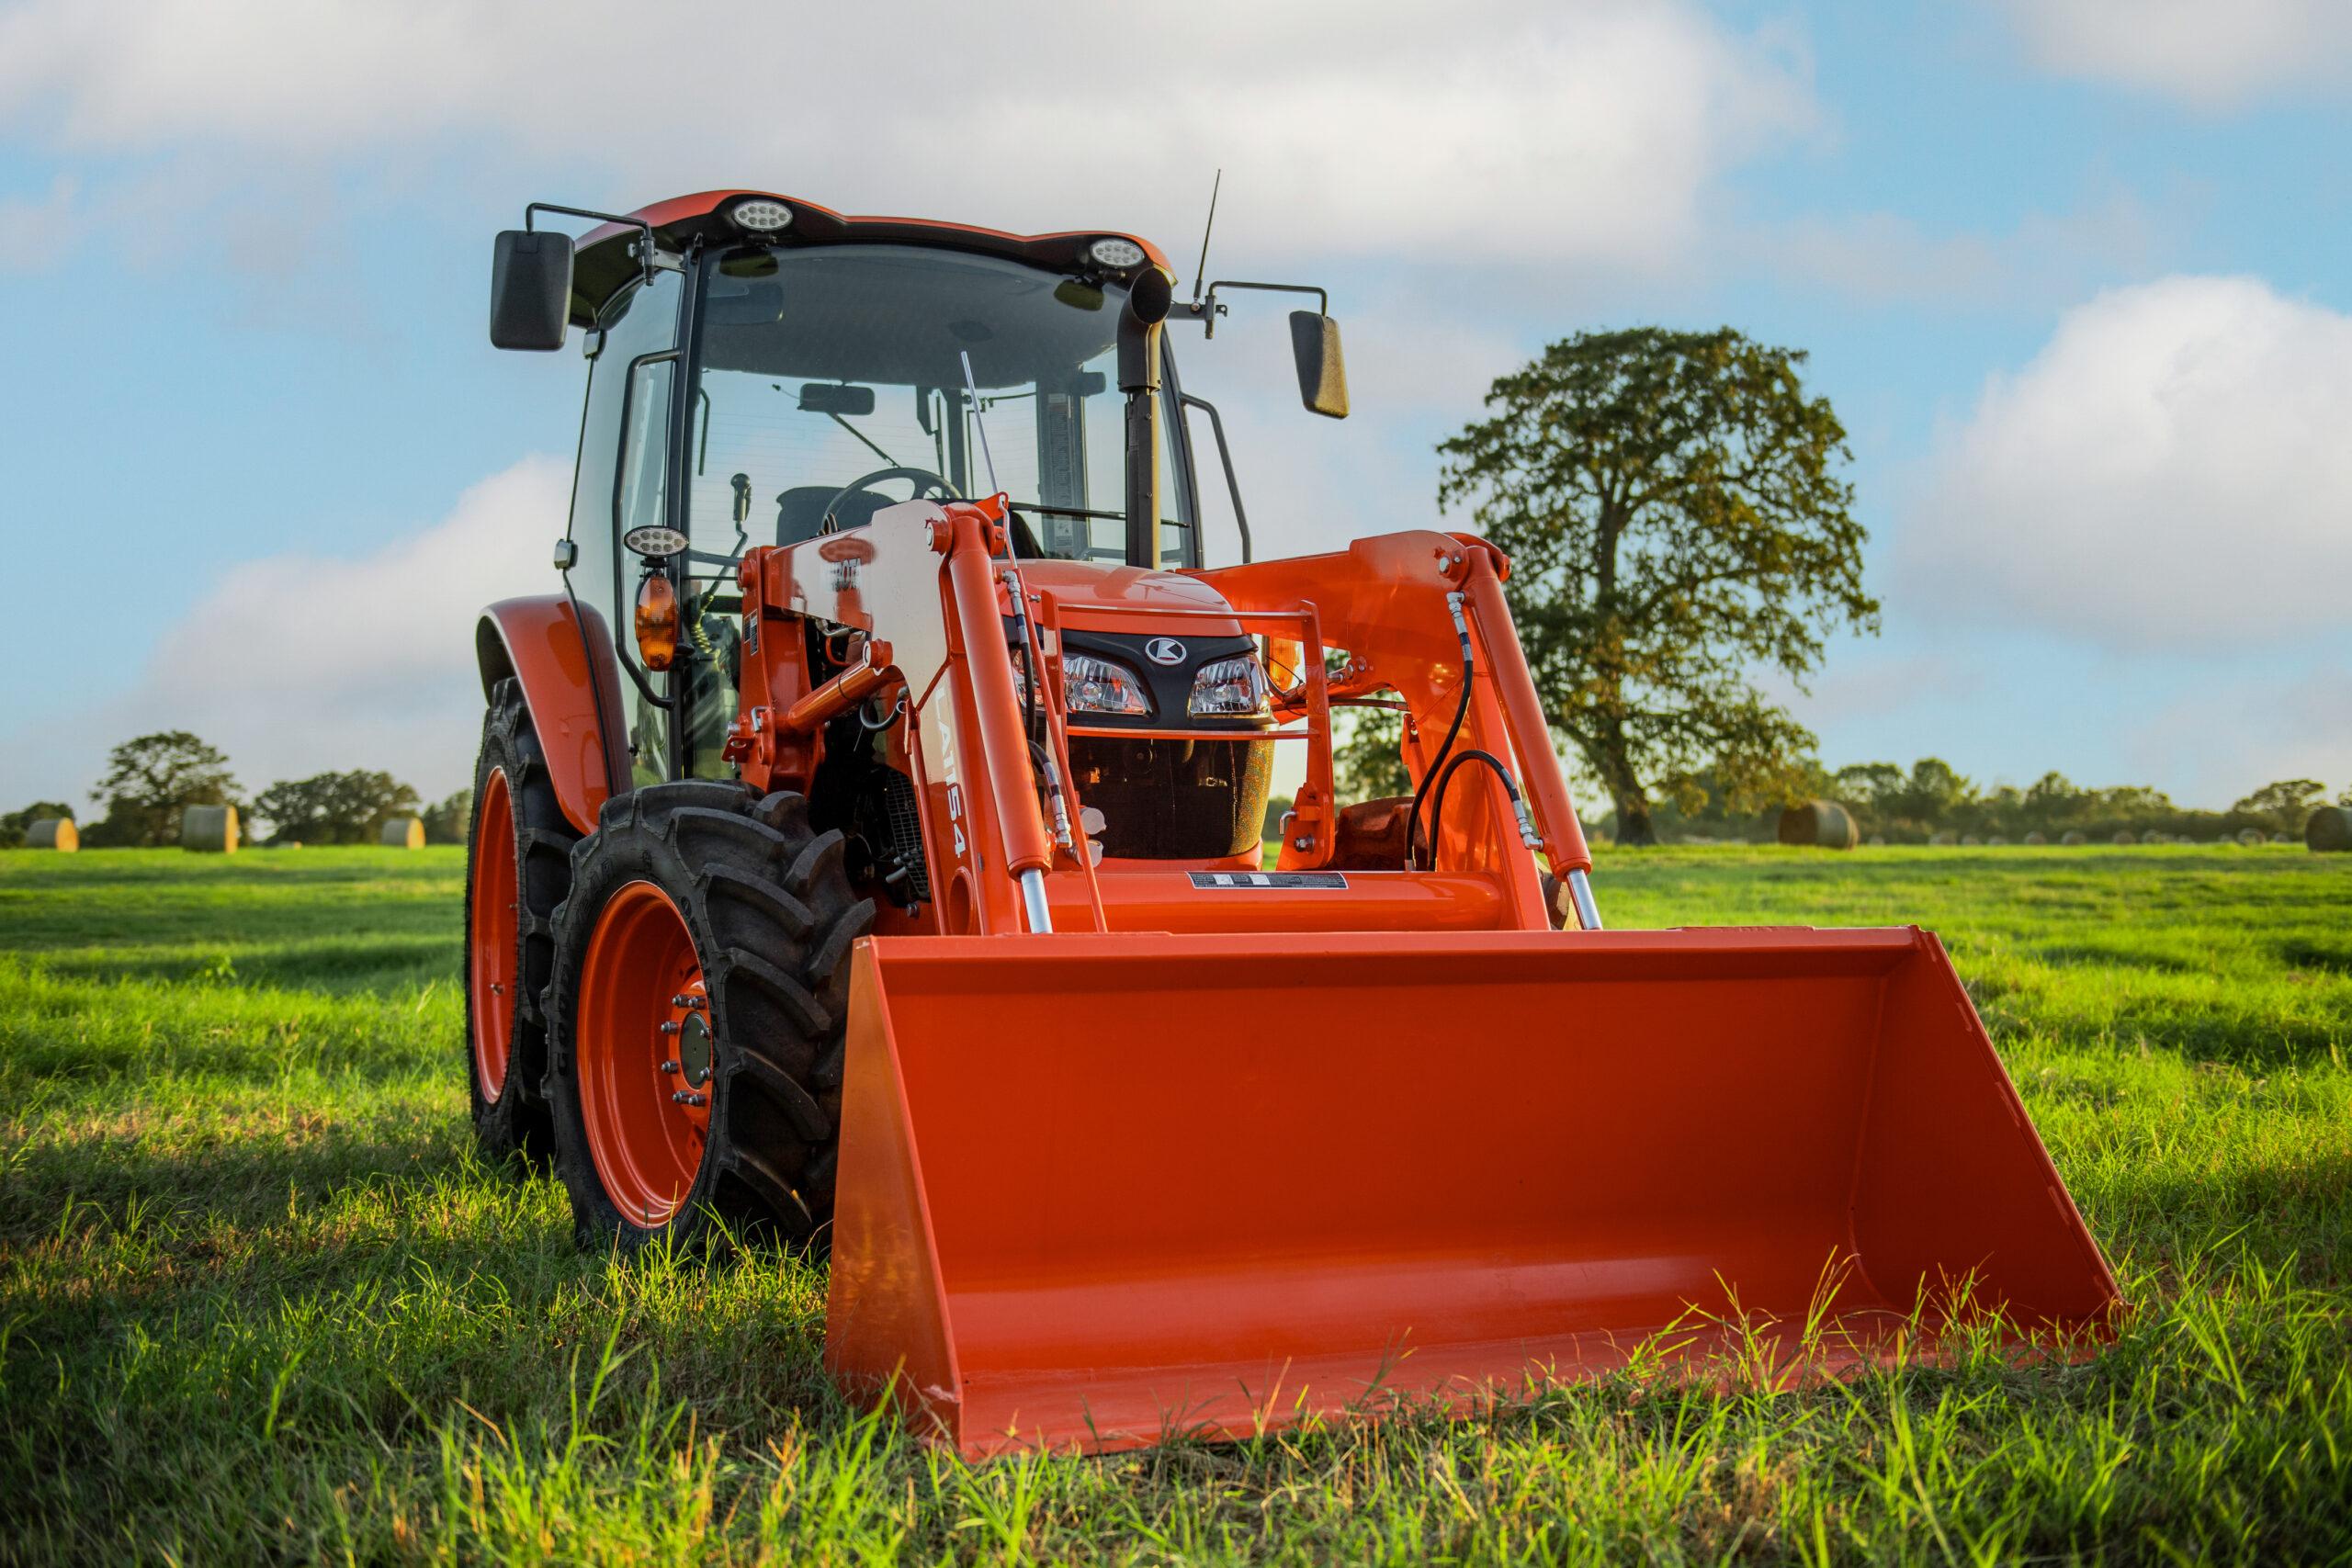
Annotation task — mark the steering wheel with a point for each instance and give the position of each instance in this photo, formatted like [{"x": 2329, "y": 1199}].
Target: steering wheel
[{"x": 923, "y": 479}]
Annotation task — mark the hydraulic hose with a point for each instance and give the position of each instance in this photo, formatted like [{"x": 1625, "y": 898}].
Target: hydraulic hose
[
  {"x": 1437, "y": 806},
  {"x": 1461, "y": 711}
]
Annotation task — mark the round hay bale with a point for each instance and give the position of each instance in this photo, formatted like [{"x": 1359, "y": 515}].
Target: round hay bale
[
  {"x": 405, "y": 833},
  {"x": 53, "y": 833},
  {"x": 2328, "y": 831},
  {"x": 1944, "y": 840},
  {"x": 1970, "y": 841},
  {"x": 2152, "y": 837},
  {"x": 2124, "y": 837},
  {"x": 2072, "y": 838},
  {"x": 2280, "y": 838},
  {"x": 2249, "y": 836},
  {"x": 1877, "y": 840},
  {"x": 1996, "y": 841},
  {"x": 2037, "y": 839},
  {"x": 208, "y": 830},
  {"x": 1821, "y": 824}
]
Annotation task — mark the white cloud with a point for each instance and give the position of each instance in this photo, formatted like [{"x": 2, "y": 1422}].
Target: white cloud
[
  {"x": 1879, "y": 258},
  {"x": 2211, "y": 53},
  {"x": 298, "y": 665},
  {"x": 1589, "y": 131},
  {"x": 2171, "y": 470}
]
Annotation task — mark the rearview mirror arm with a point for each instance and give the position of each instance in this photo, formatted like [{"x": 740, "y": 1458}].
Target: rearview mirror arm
[
  {"x": 648, "y": 254},
  {"x": 1206, "y": 311}
]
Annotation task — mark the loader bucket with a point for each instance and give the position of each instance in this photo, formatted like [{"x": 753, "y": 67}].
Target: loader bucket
[{"x": 1099, "y": 1190}]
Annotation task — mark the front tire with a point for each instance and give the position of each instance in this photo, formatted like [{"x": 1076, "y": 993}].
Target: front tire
[
  {"x": 698, "y": 1007},
  {"x": 519, "y": 867}
]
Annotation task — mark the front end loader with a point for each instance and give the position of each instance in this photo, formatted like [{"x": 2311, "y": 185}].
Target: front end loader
[{"x": 886, "y": 874}]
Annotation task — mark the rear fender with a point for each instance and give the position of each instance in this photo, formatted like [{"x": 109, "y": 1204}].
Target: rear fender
[{"x": 571, "y": 684}]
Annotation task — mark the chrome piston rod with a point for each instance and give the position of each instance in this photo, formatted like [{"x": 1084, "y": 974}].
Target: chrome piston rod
[
  {"x": 1033, "y": 901},
  {"x": 1580, "y": 893}
]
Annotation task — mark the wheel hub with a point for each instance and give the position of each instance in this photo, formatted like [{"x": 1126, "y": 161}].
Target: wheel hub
[{"x": 646, "y": 1054}]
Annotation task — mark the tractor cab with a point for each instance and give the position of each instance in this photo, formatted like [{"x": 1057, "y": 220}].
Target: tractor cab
[{"x": 765, "y": 372}]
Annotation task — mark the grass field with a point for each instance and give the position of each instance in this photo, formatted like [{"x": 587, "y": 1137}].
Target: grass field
[{"x": 257, "y": 1304}]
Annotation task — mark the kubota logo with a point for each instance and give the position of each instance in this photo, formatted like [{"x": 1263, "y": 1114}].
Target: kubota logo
[{"x": 1164, "y": 650}]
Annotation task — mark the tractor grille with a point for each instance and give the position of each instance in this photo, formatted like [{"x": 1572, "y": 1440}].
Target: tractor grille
[{"x": 1174, "y": 799}]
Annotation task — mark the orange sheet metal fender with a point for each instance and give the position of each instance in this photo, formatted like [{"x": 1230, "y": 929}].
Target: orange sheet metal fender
[{"x": 574, "y": 694}]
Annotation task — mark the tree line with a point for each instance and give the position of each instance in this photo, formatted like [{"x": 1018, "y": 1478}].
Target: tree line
[
  {"x": 151, "y": 779},
  {"x": 1903, "y": 806},
  {"x": 1931, "y": 799}
]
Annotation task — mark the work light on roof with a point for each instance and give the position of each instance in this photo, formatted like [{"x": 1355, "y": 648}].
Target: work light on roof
[
  {"x": 1116, "y": 254},
  {"x": 759, "y": 215}
]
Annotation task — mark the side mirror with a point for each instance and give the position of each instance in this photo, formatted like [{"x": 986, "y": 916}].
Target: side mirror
[
  {"x": 1322, "y": 373},
  {"x": 530, "y": 289}
]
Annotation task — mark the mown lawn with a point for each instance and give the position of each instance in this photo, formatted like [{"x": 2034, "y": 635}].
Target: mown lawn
[{"x": 256, "y": 1302}]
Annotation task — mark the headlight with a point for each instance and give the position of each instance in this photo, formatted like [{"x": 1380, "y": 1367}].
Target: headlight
[
  {"x": 1231, "y": 688},
  {"x": 1093, "y": 685}
]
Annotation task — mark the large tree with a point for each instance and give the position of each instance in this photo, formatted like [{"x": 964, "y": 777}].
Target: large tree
[
  {"x": 151, "y": 778},
  {"x": 1678, "y": 520}
]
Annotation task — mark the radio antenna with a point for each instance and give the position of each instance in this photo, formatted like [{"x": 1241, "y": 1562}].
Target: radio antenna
[
  {"x": 1202, "y": 271},
  {"x": 973, "y": 386}
]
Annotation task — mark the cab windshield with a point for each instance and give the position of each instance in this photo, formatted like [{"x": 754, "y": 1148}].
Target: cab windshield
[{"x": 830, "y": 384}]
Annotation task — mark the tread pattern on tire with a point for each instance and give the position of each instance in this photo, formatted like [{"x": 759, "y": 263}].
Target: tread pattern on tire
[
  {"x": 772, "y": 916},
  {"x": 516, "y": 1124}
]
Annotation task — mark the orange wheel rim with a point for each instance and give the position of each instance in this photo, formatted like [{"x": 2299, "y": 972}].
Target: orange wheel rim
[
  {"x": 491, "y": 962},
  {"x": 645, "y": 1056}
]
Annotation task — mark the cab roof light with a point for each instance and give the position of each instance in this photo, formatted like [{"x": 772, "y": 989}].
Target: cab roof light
[{"x": 759, "y": 215}]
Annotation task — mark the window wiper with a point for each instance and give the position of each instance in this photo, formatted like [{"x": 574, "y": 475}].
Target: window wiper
[
  {"x": 861, "y": 436},
  {"x": 1066, "y": 511}
]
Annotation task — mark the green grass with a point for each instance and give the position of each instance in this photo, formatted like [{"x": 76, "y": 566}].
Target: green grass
[{"x": 256, "y": 1302}]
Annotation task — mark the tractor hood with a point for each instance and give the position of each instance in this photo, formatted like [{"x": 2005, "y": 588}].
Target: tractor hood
[{"x": 1187, "y": 625}]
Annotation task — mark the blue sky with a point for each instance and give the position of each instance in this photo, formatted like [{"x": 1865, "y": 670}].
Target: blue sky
[{"x": 2072, "y": 271}]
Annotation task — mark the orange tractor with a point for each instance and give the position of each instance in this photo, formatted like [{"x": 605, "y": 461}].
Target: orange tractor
[{"x": 887, "y": 873}]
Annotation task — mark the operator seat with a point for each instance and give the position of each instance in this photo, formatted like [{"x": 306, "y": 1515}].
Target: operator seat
[
  {"x": 800, "y": 511},
  {"x": 800, "y": 515}
]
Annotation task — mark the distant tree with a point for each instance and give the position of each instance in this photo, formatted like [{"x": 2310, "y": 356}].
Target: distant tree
[
  {"x": 334, "y": 808},
  {"x": 2286, "y": 802},
  {"x": 1676, "y": 518},
  {"x": 1933, "y": 793},
  {"x": 16, "y": 824},
  {"x": 1867, "y": 790},
  {"x": 151, "y": 778},
  {"x": 448, "y": 821},
  {"x": 1366, "y": 764}
]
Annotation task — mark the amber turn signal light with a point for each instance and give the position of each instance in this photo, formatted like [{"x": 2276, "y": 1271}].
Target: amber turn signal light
[
  {"x": 657, "y": 621},
  {"x": 1285, "y": 664}
]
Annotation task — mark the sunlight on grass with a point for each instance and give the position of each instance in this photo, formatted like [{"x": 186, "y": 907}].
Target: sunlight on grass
[{"x": 259, "y": 1302}]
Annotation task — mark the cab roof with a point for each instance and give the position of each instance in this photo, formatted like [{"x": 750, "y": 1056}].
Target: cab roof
[{"x": 604, "y": 265}]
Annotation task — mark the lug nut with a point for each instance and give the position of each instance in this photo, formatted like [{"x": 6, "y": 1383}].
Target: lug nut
[
  {"x": 668, "y": 1026},
  {"x": 688, "y": 1096},
  {"x": 669, "y": 1067}
]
